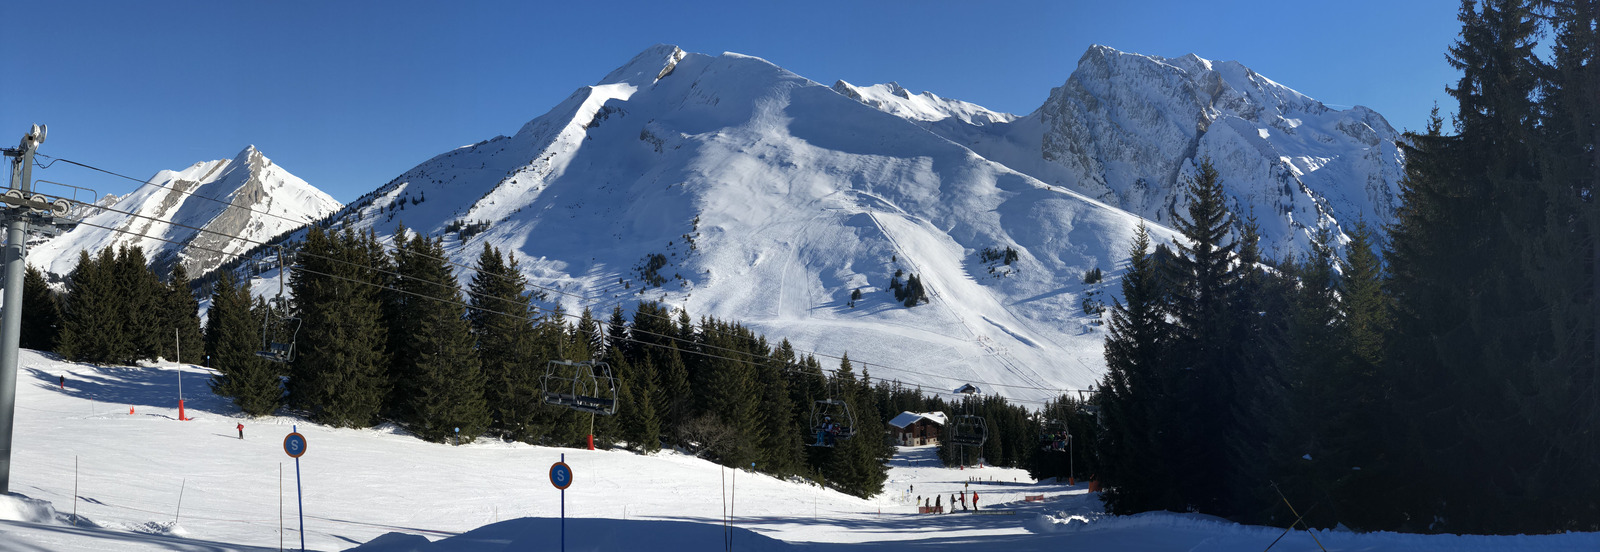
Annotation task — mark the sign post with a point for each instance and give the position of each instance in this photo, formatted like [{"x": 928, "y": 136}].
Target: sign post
[
  {"x": 561, "y": 477},
  {"x": 295, "y": 445}
]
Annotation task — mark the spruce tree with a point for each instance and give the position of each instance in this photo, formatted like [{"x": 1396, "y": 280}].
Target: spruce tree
[
  {"x": 232, "y": 337},
  {"x": 1565, "y": 259},
  {"x": 1205, "y": 277},
  {"x": 181, "y": 311},
  {"x": 780, "y": 440},
  {"x": 1465, "y": 324},
  {"x": 141, "y": 307},
  {"x": 1360, "y": 497},
  {"x": 41, "y": 312},
  {"x": 92, "y": 328},
  {"x": 437, "y": 374},
  {"x": 727, "y": 385},
  {"x": 1136, "y": 393},
  {"x": 340, "y": 371},
  {"x": 502, "y": 321}
]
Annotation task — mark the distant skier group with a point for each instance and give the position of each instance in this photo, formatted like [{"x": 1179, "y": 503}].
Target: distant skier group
[{"x": 938, "y": 502}]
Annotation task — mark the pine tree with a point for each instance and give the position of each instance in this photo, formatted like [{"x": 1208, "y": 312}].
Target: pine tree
[
  {"x": 1360, "y": 497},
  {"x": 1136, "y": 392},
  {"x": 41, "y": 312},
  {"x": 1565, "y": 260},
  {"x": 1465, "y": 322},
  {"x": 181, "y": 311},
  {"x": 92, "y": 329},
  {"x": 141, "y": 306},
  {"x": 232, "y": 337},
  {"x": 780, "y": 447},
  {"x": 729, "y": 391},
  {"x": 1205, "y": 278},
  {"x": 340, "y": 372},
  {"x": 502, "y": 321},
  {"x": 640, "y": 422},
  {"x": 437, "y": 375}
]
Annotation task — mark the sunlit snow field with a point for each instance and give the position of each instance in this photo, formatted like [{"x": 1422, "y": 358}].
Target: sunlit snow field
[{"x": 391, "y": 492}]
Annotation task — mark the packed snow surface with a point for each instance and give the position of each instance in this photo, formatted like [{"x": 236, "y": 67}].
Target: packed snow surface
[{"x": 380, "y": 490}]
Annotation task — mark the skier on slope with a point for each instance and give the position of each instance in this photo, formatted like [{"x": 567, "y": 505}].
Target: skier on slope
[
  {"x": 974, "y": 500},
  {"x": 241, "y": 430}
]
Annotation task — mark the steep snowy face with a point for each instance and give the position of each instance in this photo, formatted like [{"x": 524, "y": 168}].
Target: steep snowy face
[
  {"x": 234, "y": 203},
  {"x": 736, "y": 189},
  {"x": 1129, "y": 129}
]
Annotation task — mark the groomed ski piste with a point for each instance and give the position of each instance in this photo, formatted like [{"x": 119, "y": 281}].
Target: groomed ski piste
[{"x": 147, "y": 481}]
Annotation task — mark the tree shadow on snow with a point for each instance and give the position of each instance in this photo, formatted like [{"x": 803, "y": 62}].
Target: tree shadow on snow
[{"x": 150, "y": 386}]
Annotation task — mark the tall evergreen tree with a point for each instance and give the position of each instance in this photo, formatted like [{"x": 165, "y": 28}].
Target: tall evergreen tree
[
  {"x": 1205, "y": 278},
  {"x": 1136, "y": 393},
  {"x": 1565, "y": 260},
  {"x": 437, "y": 376},
  {"x": 1467, "y": 341},
  {"x": 181, "y": 313},
  {"x": 143, "y": 296},
  {"x": 502, "y": 321},
  {"x": 340, "y": 371},
  {"x": 232, "y": 337},
  {"x": 41, "y": 312},
  {"x": 93, "y": 329}
]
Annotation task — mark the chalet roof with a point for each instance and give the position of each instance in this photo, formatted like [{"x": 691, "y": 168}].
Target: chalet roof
[{"x": 905, "y": 419}]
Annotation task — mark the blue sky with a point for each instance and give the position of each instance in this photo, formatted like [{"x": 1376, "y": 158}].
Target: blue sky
[{"x": 348, "y": 94}]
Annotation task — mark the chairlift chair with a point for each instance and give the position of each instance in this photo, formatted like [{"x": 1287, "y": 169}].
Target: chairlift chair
[
  {"x": 1055, "y": 437},
  {"x": 278, "y": 329},
  {"x": 969, "y": 430},
  {"x": 831, "y": 422},
  {"x": 586, "y": 386},
  {"x": 278, "y": 333}
]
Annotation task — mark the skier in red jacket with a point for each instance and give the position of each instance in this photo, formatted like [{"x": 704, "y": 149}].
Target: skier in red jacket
[{"x": 241, "y": 430}]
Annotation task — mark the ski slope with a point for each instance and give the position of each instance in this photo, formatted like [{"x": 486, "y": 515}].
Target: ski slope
[{"x": 376, "y": 490}]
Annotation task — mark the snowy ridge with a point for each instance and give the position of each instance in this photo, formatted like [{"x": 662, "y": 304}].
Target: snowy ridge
[
  {"x": 1128, "y": 129},
  {"x": 268, "y": 201},
  {"x": 772, "y": 199},
  {"x": 895, "y": 100}
]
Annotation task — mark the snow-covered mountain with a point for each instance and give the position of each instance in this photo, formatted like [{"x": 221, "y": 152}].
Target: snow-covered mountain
[
  {"x": 768, "y": 199},
  {"x": 733, "y": 188},
  {"x": 1127, "y": 129},
  {"x": 237, "y": 202}
]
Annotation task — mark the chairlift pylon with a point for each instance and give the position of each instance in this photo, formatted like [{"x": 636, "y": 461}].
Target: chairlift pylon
[
  {"x": 278, "y": 329},
  {"x": 584, "y": 386}
]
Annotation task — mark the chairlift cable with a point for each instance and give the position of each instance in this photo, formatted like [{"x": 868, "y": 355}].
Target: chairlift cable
[
  {"x": 752, "y": 358},
  {"x": 530, "y": 285}
]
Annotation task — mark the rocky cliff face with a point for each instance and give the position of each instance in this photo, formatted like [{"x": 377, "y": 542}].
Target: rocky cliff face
[
  {"x": 1131, "y": 128},
  {"x": 201, "y": 216},
  {"x": 1128, "y": 129}
]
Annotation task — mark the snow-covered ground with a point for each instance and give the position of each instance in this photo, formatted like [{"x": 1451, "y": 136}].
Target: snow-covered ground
[{"x": 380, "y": 490}]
